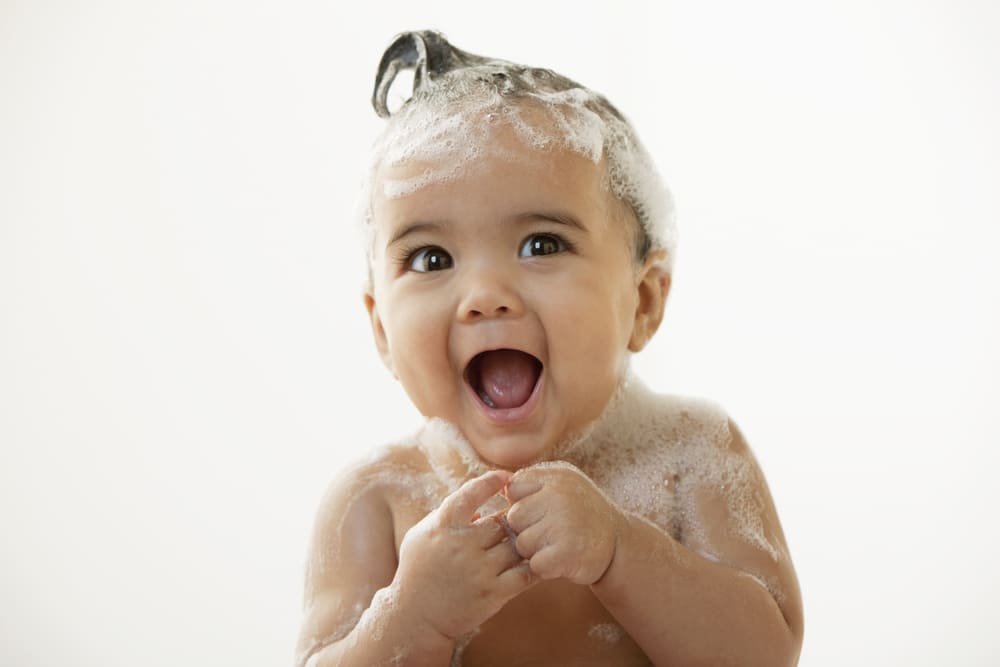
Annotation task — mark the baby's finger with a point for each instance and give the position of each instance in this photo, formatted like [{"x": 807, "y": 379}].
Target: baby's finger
[
  {"x": 491, "y": 529},
  {"x": 500, "y": 517},
  {"x": 516, "y": 579},
  {"x": 524, "y": 483},
  {"x": 503, "y": 556},
  {"x": 547, "y": 563},
  {"x": 527, "y": 512},
  {"x": 531, "y": 541},
  {"x": 458, "y": 508}
]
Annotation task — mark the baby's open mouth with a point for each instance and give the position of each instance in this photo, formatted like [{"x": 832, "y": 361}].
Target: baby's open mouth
[{"x": 503, "y": 379}]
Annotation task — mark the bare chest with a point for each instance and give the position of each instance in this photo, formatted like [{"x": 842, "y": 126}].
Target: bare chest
[{"x": 553, "y": 623}]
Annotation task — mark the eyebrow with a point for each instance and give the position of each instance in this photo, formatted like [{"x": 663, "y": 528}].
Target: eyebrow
[
  {"x": 558, "y": 217},
  {"x": 413, "y": 228}
]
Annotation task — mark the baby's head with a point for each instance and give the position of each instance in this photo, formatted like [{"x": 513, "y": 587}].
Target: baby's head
[
  {"x": 459, "y": 99},
  {"x": 520, "y": 243}
]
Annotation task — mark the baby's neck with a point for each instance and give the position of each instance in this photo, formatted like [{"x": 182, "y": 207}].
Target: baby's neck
[{"x": 455, "y": 460}]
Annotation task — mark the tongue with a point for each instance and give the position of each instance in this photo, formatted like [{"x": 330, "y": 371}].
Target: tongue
[{"x": 507, "y": 377}]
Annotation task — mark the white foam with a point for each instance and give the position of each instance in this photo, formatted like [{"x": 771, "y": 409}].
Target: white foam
[
  {"x": 460, "y": 645},
  {"x": 654, "y": 456},
  {"x": 373, "y": 619},
  {"x": 448, "y": 129},
  {"x": 437, "y": 432},
  {"x": 338, "y": 633},
  {"x": 608, "y": 633}
]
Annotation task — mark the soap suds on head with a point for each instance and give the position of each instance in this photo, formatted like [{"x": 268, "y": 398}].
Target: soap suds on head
[{"x": 459, "y": 100}]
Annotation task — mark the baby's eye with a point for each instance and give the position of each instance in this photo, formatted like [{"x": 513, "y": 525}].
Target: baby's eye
[
  {"x": 427, "y": 259},
  {"x": 541, "y": 244}
]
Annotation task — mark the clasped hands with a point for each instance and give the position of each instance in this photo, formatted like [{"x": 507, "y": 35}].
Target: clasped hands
[{"x": 459, "y": 568}]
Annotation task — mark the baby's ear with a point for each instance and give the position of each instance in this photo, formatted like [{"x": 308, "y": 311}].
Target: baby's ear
[
  {"x": 652, "y": 287},
  {"x": 378, "y": 331}
]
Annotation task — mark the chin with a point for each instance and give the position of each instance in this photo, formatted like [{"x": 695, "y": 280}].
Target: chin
[{"x": 512, "y": 453}]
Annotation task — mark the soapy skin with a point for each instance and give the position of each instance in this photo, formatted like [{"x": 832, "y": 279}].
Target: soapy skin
[
  {"x": 400, "y": 567},
  {"x": 596, "y": 523},
  {"x": 397, "y": 538}
]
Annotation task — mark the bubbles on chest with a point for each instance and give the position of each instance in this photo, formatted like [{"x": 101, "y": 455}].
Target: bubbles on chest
[
  {"x": 656, "y": 455},
  {"x": 632, "y": 456}
]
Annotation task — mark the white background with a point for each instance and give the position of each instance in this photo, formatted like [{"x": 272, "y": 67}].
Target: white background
[{"x": 184, "y": 360}]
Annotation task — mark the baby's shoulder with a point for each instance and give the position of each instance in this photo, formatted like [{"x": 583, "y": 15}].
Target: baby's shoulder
[
  {"x": 379, "y": 478},
  {"x": 656, "y": 422},
  {"x": 662, "y": 451},
  {"x": 374, "y": 484},
  {"x": 697, "y": 435}
]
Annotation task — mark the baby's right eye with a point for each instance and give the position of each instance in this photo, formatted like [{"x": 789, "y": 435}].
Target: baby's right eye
[{"x": 427, "y": 259}]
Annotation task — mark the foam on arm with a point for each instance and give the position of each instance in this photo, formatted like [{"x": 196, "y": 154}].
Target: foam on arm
[{"x": 352, "y": 610}]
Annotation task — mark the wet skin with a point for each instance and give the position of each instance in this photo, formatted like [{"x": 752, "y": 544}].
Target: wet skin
[
  {"x": 529, "y": 254},
  {"x": 549, "y": 623}
]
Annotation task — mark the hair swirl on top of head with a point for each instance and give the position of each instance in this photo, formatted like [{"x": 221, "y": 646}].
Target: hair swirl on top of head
[
  {"x": 432, "y": 57},
  {"x": 454, "y": 91},
  {"x": 426, "y": 52}
]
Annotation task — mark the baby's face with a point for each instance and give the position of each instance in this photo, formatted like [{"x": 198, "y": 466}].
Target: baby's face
[{"x": 506, "y": 300}]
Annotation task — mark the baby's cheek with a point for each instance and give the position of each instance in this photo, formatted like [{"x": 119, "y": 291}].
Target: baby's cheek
[
  {"x": 419, "y": 327},
  {"x": 419, "y": 349},
  {"x": 599, "y": 364}
]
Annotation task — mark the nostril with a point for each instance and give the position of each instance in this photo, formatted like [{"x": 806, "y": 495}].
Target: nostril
[
  {"x": 499, "y": 310},
  {"x": 484, "y": 304}
]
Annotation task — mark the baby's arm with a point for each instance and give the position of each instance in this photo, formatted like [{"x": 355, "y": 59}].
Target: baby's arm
[
  {"x": 453, "y": 573},
  {"x": 680, "y": 607}
]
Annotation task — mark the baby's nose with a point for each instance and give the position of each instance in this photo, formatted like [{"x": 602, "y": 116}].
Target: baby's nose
[{"x": 487, "y": 296}]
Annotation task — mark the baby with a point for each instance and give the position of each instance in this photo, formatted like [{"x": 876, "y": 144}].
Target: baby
[{"x": 552, "y": 510}]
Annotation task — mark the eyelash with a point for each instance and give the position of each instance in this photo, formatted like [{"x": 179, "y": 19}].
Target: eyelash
[
  {"x": 565, "y": 246},
  {"x": 407, "y": 254}
]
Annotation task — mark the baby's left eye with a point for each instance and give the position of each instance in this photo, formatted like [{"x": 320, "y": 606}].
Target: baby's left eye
[{"x": 541, "y": 244}]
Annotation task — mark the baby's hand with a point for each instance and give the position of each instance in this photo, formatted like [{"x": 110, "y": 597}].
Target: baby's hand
[
  {"x": 565, "y": 526},
  {"x": 455, "y": 568}
]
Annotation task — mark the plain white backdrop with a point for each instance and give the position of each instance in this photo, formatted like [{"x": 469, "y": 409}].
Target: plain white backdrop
[{"x": 185, "y": 363}]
